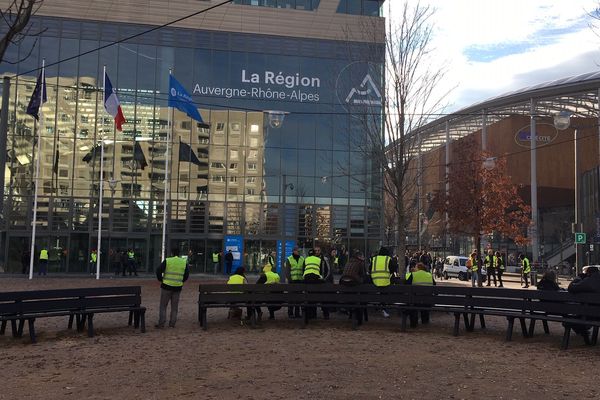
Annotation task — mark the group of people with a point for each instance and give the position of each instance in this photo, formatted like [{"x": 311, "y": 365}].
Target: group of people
[
  {"x": 121, "y": 261},
  {"x": 494, "y": 264}
]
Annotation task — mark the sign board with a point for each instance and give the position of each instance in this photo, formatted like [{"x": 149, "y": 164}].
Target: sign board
[
  {"x": 580, "y": 238},
  {"x": 235, "y": 243}
]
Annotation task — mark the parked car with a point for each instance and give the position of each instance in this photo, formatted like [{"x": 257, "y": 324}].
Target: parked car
[{"x": 456, "y": 267}]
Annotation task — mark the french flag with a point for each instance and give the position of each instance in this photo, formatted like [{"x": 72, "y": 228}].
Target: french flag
[{"x": 111, "y": 103}]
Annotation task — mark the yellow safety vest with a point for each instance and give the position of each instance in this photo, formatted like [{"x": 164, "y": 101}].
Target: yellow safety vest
[
  {"x": 526, "y": 266},
  {"x": 296, "y": 267},
  {"x": 94, "y": 257},
  {"x": 215, "y": 257},
  {"x": 272, "y": 277},
  {"x": 423, "y": 278},
  {"x": 44, "y": 254},
  {"x": 131, "y": 255},
  {"x": 336, "y": 261},
  {"x": 380, "y": 271},
  {"x": 173, "y": 275},
  {"x": 492, "y": 262},
  {"x": 312, "y": 265},
  {"x": 236, "y": 280},
  {"x": 500, "y": 263},
  {"x": 474, "y": 264}
]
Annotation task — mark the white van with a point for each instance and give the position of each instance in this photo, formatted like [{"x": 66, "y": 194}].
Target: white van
[{"x": 456, "y": 267}]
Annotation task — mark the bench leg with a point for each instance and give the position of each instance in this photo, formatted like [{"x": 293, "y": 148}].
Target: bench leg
[
  {"x": 90, "y": 321},
  {"x": 20, "y": 329},
  {"x": 466, "y": 321},
  {"x": 13, "y": 327},
  {"x": 566, "y": 336},
  {"x": 472, "y": 323},
  {"x": 482, "y": 321},
  {"x": 546, "y": 328},
  {"x": 456, "y": 324},
  {"x": 80, "y": 318},
  {"x": 509, "y": 329},
  {"x": 3, "y": 328},
  {"x": 31, "y": 329},
  {"x": 71, "y": 317},
  {"x": 131, "y": 314},
  {"x": 204, "y": 320},
  {"x": 404, "y": 317},
  {"x": 136, "y": 319},
  {"x": 354, "y": 314},
  {"x": 532, "y": 326},
  {"x": 142, "y": 321},
  {"x": 524, "y": 327},
  {"x": 304, "y": 317}
]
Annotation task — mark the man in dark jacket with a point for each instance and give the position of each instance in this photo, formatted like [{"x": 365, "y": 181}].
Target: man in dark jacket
[
  {"x": 171, "y": 273},
  {"x": 228, "y": 262},
  {"x": 587, "y": 282}
]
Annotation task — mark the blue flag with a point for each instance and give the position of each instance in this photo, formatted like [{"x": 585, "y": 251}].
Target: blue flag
[
  {"x": 181, "y": 100},
  {"x": 33, "y": 108}
]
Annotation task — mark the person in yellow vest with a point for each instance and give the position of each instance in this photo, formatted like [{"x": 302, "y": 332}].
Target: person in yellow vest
[
  {"x": 93, "y": 260},
  {"x": 43, "y": 262},
  {"x": 172, "y": 273},
  {"x": 500, "y": 264},
  {"x": 295, "y": 271},
  {"x": 239, "y": 278},
  {"x": 526, "y": 269},
  {"x": 491, "y": 264},
  {"x": 314, "y": 266},
  {"x": 381, "y": 270},
  {"x": 131, "y": 262},
  {"x": 268, "y": 277},
  {"x": 335, "y": 261},
  {"x": 216, "y": 260},
  {"x": 475, "y": 269},
  {"x": 423, "y": 278}
]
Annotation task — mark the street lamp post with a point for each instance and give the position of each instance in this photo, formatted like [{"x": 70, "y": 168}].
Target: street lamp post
[
  {"x": 562, "y": 121},
  {"x": 275, "y": 121}
]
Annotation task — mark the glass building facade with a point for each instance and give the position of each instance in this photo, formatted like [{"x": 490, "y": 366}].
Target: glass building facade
[{"x": 307, "y": 181}]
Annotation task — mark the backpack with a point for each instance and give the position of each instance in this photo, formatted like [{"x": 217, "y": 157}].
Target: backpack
[{"x": 469, "y": 263}]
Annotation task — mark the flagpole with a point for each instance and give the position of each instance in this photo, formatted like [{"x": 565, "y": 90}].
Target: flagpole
[
  {"x": 167, "y": 183},
  {"x": 37, "y": 169},
  {"x": 98, "y": 252},
  {"x": 178, "y": 167}
]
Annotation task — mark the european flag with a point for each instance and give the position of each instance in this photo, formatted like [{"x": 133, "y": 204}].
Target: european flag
[
  {"x": 36, "y": 101},
  {"x": 181, "y": 100}
]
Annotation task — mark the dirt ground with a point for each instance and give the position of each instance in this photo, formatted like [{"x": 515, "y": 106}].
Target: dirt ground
[{"x": 278, "y": 360}]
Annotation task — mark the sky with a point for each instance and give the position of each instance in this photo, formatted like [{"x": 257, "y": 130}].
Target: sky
[{"x": 491, "y": 47}]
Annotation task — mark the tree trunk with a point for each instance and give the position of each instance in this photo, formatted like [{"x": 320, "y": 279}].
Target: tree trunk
[{"x": 401, "y": 250}]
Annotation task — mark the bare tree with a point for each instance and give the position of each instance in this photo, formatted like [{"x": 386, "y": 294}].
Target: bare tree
[
  {"x": 16, "y": 17},
  {"x": 410, "y": 98}
]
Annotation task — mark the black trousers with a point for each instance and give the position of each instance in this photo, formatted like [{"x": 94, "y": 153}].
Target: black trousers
[
  {"x": 491, "y": 272},
  {"x": 414, "y": 317},
  {"x": 500, "y": 272},
  {"x": 526, "y": 278}
]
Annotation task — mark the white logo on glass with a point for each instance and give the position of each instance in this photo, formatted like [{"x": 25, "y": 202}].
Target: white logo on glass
[{"x": 360, "y": 95}]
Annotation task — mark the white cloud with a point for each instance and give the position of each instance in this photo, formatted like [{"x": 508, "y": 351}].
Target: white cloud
[{"x": 526, "y": 42}]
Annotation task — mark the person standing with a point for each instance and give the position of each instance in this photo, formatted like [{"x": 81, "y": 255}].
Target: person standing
[
  {"x": 271, "y": 259},
  {"x": 475, "y": 273},
  {"x": 216, "y": 260},
  {"x": 354, "y": 274},
  {"x": 313, "y": 267},
  {"x": 500, "y": 263},
  {"x": 93, "y": 260},
  {"x": 171, "y": 273},
  {"x": 115, "y": 261},
  {"x": 124, "y": 262},
  {"x": 25, "y": 261},
  {"x": 335, "y": 261},
  {"x": 491, "y": 263},
  {"x": 43, "y": 262},
  {"x": 228, "y": 262},
  {"x": 382, "y": 269},
  {"x": 131, "y": 262},
  {"x": 526, "y": 269},
  {"x": 420, "y": 277},
  {"x": 294, "y": 270}
]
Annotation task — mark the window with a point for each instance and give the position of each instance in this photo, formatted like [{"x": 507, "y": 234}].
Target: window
[
  {"x": 235, "y": 127},
  {"x": 251, "y": 180},
  {"x": 253, "y": 142},
  {"x": 63, "y": 173},
  {"x": 204, "y": 141},
  {"x": 218, "y": 165},
  {"x": 233, "y": 179},
  {"x": 220, "y": 127},
  {"x": 254, "y": 128},
  {"x": 233, "y": 165},
  {"x": 253, "y": 154},
  {"x": 218, "y": 178},
  {"x": 234, "y": 154},
  {"x": 187, "y": 125},
  {"x": 84, "y": 119},
  {"x": 250, "y": 191},
  {"x": 251, "y": 166}
]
